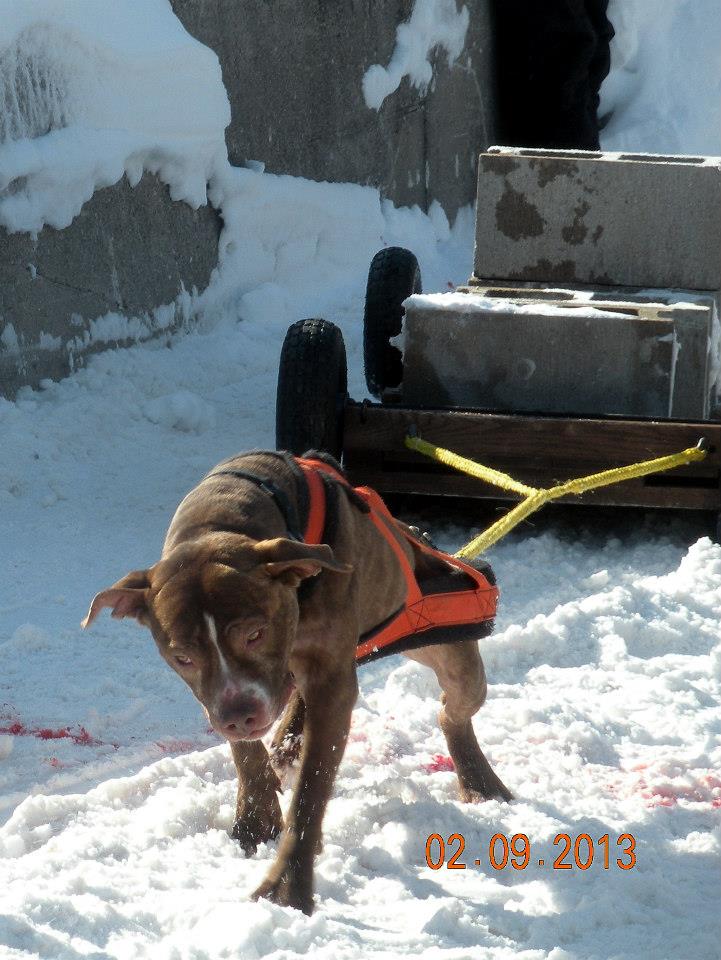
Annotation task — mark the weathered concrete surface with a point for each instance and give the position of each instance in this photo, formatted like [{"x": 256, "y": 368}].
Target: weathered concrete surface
[
  {"x": 603, "y": 219},
  {"x": 617, "y": 357},
  {"x": 129, "y": 250},
  {"x": 294, "y": 69}
]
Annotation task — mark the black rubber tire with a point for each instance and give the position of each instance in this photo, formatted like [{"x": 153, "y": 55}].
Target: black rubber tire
[
  {"x": 394, "y": 275},
  {"x": 312, "y": 389}
]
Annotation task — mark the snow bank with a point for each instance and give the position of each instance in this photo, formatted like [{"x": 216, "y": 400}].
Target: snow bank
[
  {"x": 94, "y": 90},
  {"x": 432, "y": 24},
  {"x": 663, "y": 93},
  {"x": 291, "y": 246}
]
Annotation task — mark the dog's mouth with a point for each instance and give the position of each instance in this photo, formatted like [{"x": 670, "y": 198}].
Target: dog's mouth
[{"x": 257, "y": 733}]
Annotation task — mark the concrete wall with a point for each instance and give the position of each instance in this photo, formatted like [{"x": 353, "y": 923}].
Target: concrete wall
[
  {"x": 128, "y": 251},
  {"x": 294, "y": 69}
]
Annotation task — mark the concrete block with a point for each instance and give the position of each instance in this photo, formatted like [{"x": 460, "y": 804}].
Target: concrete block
[
  {"x": 559, "y": 357},
  {"x": 602, "y": 219},
  {"x": 293, "y": 70},
  {"x": 128, "y": 251}
]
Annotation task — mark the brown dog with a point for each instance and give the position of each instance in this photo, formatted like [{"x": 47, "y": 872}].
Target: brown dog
[{"x": 233, "y": 610}]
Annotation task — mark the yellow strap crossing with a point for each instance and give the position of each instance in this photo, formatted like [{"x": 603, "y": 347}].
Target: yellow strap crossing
[{"x": 535, "y": 498}]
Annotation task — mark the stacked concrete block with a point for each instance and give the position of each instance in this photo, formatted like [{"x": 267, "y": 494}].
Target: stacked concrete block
[
  {"x": 618, "y": 220},
  {"x": 517, "y": 353},
  {"x": 596, "y": 291}
]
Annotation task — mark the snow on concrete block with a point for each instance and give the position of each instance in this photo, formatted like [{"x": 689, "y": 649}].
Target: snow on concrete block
[{"x": 599, "y": 218}]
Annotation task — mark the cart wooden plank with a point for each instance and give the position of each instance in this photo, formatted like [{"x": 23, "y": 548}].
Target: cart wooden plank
[{"x": 537, "y": 450}]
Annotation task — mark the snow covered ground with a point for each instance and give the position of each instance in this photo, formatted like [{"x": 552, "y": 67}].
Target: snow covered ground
[{"x": 603, "y": 714}]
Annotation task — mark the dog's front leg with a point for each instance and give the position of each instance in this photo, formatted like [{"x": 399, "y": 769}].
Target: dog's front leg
[
  {"x": 257, "y": 816},
  {"x": 288, "y": 738},
  {"x": 329, "y": 701}
]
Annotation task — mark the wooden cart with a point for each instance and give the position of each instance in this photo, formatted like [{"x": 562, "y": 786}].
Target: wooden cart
[{"x": 597, "y": 367}]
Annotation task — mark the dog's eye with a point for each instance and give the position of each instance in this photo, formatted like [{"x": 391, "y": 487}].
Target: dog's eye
[
  {"x": 254, "y": 637},
  {"x": 183, "y": 661}
]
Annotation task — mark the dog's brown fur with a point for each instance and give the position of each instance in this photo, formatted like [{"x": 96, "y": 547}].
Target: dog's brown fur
[{"x": 228, "y": 570}]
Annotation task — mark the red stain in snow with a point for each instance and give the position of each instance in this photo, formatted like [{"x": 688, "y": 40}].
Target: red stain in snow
[
  {"x": 81, "y": 737},
  {"x": 695, "y": 787},
  {"x": 15, "y": 728},
  {"x": 659, "y": 800},
  {"x": 439, "y": 764}
]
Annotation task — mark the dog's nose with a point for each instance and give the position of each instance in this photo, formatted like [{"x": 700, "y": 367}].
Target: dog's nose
[{"x": 243, "y": 717}]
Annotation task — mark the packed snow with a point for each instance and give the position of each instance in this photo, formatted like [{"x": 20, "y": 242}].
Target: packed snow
[{"x": 603, "y": 714}]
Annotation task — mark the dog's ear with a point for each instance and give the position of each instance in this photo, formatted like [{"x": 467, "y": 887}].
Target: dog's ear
[
  {"x": 128, "y": 598},
  {"x": 291, "y": 561}
]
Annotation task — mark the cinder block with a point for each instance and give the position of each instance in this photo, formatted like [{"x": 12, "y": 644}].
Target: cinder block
[
  {"x": 567, "y": 356},
  {"x": 597, "y": 218}
]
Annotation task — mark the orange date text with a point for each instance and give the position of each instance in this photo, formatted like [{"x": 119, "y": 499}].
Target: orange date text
[{"x": 570, "y": 852}]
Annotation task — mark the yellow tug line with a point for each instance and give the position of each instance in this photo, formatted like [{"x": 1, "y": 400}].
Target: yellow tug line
[{"x": 535, "y": 498}]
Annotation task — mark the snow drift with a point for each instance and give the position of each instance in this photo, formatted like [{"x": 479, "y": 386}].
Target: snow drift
[{"x": 93, "y": 91}]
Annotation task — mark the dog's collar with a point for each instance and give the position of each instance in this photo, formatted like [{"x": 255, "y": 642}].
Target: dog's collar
[{"x": 279, "y": 496}]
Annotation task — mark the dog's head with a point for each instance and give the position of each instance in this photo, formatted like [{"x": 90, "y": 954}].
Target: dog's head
[{"x": 224, "y": 614}]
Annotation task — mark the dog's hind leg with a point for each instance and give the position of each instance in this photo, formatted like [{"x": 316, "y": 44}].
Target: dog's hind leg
[
  {"x": 460, "y": 672},
  {"x": 287, "y": 740},
  {"x": 258, "y": 817}
]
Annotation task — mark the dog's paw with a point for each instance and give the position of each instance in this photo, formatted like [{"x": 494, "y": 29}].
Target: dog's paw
[
  {"x": 286, "y": 893},
  {"x": 250, "y": 833},
  {"x": 486, "y": 791}
]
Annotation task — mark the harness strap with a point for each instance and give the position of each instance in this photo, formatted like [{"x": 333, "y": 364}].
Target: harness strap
[
  {"x": 279, "y": 497},
  {"x": 383, "y": 520},
  {"x": 317, "y": 510},
  {"x": 378, "y": 513}
]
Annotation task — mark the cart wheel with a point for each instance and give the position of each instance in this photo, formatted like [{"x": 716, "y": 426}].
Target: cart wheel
[
  {"x": 312, "y": 389},
  {"x": 394, "y": 275}
]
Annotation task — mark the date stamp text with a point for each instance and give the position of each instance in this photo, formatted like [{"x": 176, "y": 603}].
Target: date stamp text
[{"x": 572, "y": 853}]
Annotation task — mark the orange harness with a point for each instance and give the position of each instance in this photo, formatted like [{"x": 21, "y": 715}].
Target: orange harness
[{"x": 425, "y": 618}]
